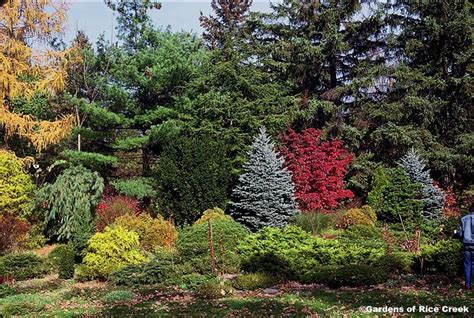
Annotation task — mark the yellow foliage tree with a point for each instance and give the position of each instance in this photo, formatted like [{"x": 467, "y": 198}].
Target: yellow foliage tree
[{"x": 24, "y": 71}]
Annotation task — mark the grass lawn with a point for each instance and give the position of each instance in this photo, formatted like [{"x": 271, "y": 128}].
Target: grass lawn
[{"x": 65, "y": 298}]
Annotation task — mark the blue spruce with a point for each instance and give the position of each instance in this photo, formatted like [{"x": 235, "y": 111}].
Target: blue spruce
[
  {"x": 432, "y": 197},
  {"x": 265, "y": 194}
]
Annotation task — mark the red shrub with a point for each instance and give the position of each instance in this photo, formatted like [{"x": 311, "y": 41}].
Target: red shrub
[
  {"x": 318, "y": 169},
  {"x": 111, "y": 207},
  {"x": 450, "y": 208},
  {"x": 13, "y": 231}
]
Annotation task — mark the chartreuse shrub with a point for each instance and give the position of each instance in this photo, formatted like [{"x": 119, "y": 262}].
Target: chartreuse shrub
[
  {"x": 213, "y": 214},
  {"x": 193, "y": 245},
  {"x": 364, "y": 215},
  {"x": 293, "y": 253},
  {"x": 109, "y": 251},
  {"x": 444, "y": 257},
  {"x": 152, "y": 232},
  {"x": 21, "y": 266},
  {"x": 16, "y": 186},
  {"x": 254, "y": 281}
]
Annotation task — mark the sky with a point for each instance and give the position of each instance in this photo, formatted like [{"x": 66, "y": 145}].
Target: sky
[{"x": 94, "y": 17}]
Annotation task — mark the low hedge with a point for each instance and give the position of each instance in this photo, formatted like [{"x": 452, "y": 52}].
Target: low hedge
[
  {"x": 292, "y": 253},
  {"x": 354, "y": 275}
]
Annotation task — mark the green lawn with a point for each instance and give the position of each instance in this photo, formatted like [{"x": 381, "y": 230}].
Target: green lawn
[{"x": 54, "y": 297}]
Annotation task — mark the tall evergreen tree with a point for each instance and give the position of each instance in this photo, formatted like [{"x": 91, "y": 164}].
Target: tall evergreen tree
[
  {"x": 317, "y": 45},
  {"x": 432, "y": 197},
  {"x": 227, "y": 22},
  {"x": 422, "y": 97},
  {"x": 126, "y": 98},
  {"x": 265, "y": 194}
]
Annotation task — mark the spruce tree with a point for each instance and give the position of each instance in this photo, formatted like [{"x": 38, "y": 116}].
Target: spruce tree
[
  {"x": 265, "y": 194},
  {"x": 432, "y": 197},
  {"x": 227, "y": 22}
]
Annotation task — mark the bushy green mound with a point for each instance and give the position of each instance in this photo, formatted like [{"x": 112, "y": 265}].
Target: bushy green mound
[
  {"x": 352, "y": 275},
  {"x": 444, "y": 257},
  {"x": 21, "y": 266},
  {"x": 62, "y": 258},
  {"x": 193, "y": 245},
  {"x": 292, "y": 253}
]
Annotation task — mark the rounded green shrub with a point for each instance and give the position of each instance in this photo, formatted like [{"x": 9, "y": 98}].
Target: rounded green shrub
[
  {"x": 193, "y": 245},
  {"x": 397, "y": 262},
  {"x": 21, "y": 266},
  {"x": 148, "y": 273},
  {"x": 213, "y": 289},
  {"x": 254, "y": 281},
  {"x": 444, "y": 257},
  {"x": 354, "y": 275},
  {"x": 359, "y": 231},
  {"x": 111, "y": 250},
  {"x": 62, "y": 258}
]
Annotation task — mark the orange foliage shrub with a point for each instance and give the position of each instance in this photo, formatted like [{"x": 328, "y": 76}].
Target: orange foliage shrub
[
  {"x": 153, "y": 233},
  {"x": 364, "y": 215}
]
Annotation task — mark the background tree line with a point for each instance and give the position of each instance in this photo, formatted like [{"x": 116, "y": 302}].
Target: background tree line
[{"x": 168, "y": 117}]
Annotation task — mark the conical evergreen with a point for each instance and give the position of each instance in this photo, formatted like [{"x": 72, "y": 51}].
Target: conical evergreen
[
  {"x": 433, "y": 198},
  {"x": 265, "y": 194}
]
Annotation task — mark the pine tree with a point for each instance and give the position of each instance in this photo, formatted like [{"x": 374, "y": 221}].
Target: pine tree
[
  {"x": 265, "y": 194},
  {"x": 432, "y": 197}
]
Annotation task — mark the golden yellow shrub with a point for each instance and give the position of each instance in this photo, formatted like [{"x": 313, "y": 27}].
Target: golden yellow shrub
[{"x": 153, "y": 232}]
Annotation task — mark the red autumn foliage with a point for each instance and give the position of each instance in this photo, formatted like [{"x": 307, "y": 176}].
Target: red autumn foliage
[
  {"x": 13, "y": 231},
  {"x": 111, "y": 207},
  {"x": 318, "y": 169},
  {"x": 450, "y": 208}
]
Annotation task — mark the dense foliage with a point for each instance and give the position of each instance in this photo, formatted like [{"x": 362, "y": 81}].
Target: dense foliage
[
  {"x": 112, "y": 207},
  {"x": 292, "y": 252},
  {"x": 13, "y": 231},
  {"x": 193, "y": 174},
  {"x": 107, "y": 146},
  {"x": 194, "y": 242},
  {"x": 152, "y": 233},
  {"x": 265, "y": 194},
  {"x": 69, "y": 201},
  {"x": 16, "y": 186},
  {"x": 318, "y": 168},
  {"x": 111, "y": 250}
]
